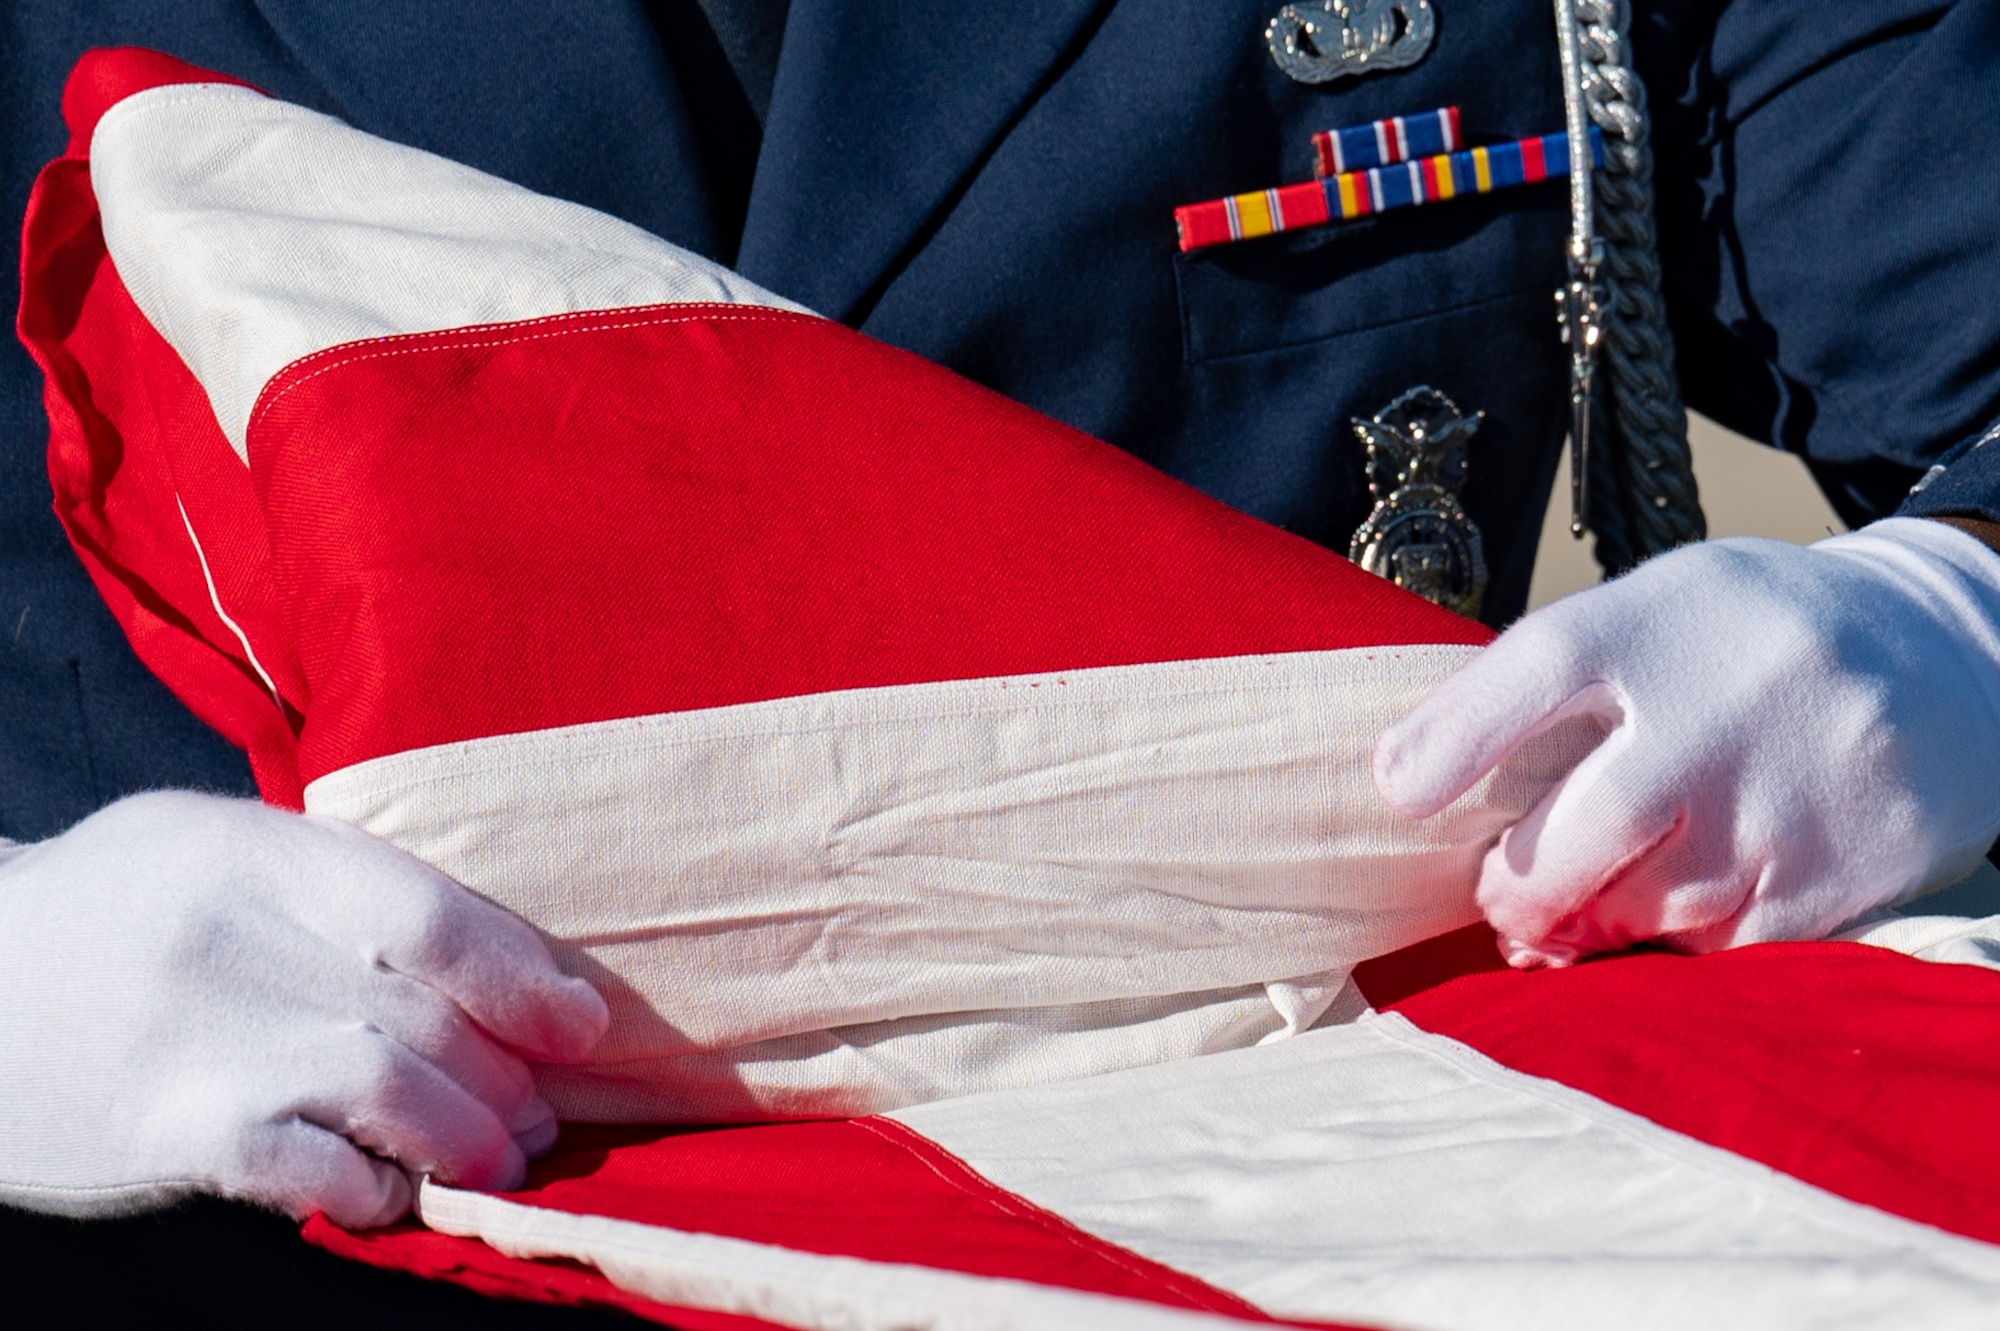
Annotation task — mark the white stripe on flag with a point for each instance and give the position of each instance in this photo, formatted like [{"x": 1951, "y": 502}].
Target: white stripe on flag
[
  {"x": 1377, "y": 1174},
  {"x": 251, "y": 232},
  {"x": 1037, "y": 877},
  {"x": 787, "y": 1286}
]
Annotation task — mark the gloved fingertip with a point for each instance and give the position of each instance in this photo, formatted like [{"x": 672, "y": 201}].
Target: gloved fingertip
[
  {"x": 1546, "y": 955},
  {"x": 576, "y": 1018},
  {"x": 1405, "y": 782},
  {"x": 534, "y": 1120},
  {"x": 381, "y": 1199},
  {"x": 398, "y": 1192},
  {"x": 537, "y": 1141},
  {"x": 503, "y": 1170},
  {"x": 510, "y": 1172},
  {"x": 301, "y": 1168}
]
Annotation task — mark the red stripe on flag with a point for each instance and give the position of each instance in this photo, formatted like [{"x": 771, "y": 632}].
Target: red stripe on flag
[
  {"x": 850, "y": 531},
  {"x": 868, "y": 1188}
]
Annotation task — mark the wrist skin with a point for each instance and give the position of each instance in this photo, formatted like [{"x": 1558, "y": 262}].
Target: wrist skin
[{"x": 1979, "y": 529}]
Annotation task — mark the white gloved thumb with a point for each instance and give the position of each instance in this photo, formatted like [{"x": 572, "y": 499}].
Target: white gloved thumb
[{"x": 1792, "y": 737}]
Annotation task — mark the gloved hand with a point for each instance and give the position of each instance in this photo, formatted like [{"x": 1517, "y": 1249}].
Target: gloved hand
[
  {"x": 205, "y": 994},
  {"x": 1792, "y": 736}
]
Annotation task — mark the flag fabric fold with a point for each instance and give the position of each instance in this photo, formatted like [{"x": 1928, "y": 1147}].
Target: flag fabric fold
[
  {"x": 866, "y": 737},
  {"x": 906, "y": 765},
  {"x": 1784, "y": 1136}
]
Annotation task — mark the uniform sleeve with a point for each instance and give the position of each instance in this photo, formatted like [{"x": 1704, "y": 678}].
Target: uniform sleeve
[{"x": 1829, "y": 192}]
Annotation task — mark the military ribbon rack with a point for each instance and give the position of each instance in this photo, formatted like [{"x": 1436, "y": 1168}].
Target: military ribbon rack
[{"x": 1380, "y": 179}]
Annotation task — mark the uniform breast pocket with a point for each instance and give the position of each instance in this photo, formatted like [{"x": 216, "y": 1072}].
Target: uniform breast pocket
[{"x": 1349, "y": 277}]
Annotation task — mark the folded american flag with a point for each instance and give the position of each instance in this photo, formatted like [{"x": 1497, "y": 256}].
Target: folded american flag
[
  {"x": 868, "y": 737},
  {"x": 895, "y": 756}
]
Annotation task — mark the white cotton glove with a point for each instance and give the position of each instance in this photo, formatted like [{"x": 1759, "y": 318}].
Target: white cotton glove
[
  {"x": 1792, "y": 736},
  {"x": 205, "y": 994}
]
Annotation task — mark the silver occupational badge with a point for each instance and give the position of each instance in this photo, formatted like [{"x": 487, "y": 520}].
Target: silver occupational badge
[
  {"x": 1418, "y": 536},
  {"x": 1319, "y": 41}
]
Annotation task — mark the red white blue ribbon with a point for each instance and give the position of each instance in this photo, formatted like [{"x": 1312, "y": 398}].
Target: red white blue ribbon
[{"x": 1386, "y": 142}]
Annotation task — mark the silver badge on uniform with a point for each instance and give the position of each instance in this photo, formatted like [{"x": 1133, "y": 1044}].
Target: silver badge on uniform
[
  {"x": 1418, "y": 536},
  {"x": 1318, "y": 41}
]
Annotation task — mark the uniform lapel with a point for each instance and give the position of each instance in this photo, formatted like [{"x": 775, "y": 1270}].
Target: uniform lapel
[{"x": 881, "y": 110}]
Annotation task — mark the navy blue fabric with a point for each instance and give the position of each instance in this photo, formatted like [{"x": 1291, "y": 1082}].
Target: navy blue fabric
[
  {"x": 1828, "y": 220},
  {"x": 212, "y": 1265},
  {"x": 991, "y": 185}
]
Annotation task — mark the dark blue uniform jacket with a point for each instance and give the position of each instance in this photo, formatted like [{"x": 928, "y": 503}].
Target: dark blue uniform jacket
[{"x": 992, "y": 185}]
